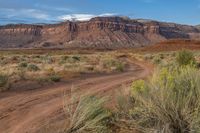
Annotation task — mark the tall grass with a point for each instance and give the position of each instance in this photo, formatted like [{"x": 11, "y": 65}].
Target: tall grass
[
  {"x": 169, "y": 102},
  {"x": 87, "y": 114}
]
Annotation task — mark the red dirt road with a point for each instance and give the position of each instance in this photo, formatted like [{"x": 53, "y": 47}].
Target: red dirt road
[{"x": 31, "y": 111}]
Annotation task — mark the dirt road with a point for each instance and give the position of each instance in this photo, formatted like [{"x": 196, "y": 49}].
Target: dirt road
[{"x": 32, "y": 111}]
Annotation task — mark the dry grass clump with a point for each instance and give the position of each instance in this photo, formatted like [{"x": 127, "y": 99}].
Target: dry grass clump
[
  {"x": 167, "y": 103},
  {"x": 87, "y": 114},
  {"x": 179, "y": 58},
  {"x": 111, "y": 64},
  {"x": 4, "y": 82}
]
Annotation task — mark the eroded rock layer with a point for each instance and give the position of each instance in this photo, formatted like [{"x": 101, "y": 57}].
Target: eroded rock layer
[{"x": 100, "y": 32}]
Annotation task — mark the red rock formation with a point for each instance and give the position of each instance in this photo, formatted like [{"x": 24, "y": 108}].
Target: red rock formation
[{"x": 100, "y": 32}]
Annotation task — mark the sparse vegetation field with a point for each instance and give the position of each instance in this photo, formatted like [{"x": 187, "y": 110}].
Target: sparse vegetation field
[
  {"x": 165, "y": 102},
  {"x": 23, "y": 66}
]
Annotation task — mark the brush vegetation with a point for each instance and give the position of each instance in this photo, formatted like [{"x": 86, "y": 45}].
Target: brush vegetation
[
  {"x": 86, "y": 114},
  {"x": 167, "y": 102},
  {"x": 55, "y": 67}
]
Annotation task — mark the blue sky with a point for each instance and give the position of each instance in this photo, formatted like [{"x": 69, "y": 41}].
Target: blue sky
[{"x": 50, "y": 11}]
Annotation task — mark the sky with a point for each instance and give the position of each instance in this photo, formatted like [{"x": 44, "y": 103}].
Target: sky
[{"x": 53, "y": 11}]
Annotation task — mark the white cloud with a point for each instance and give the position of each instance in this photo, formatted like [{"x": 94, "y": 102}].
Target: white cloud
[
  {"x": 107, "y": 14},
  {"x": 82, "y": 17},
  {"x": 38, "y": 15},
  {"x": 79, "y": 17},
  {"x": 24, "y": 13},
  {"x": 53, "y": 8},
  {"x": 35, "y": 13}
]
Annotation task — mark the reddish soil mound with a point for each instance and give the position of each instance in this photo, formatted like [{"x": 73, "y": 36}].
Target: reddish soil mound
[{"x": 173, "y": 45}]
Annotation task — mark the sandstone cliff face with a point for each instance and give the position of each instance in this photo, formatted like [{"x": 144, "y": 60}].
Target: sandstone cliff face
[{"x": 101, "y": 32}]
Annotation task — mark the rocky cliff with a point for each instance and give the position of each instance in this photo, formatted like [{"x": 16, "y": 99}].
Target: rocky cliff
[{"x": 100, "y": 32}]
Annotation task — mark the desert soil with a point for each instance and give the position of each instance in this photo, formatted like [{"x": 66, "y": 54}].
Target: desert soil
[{"x": 33, "y": 111}]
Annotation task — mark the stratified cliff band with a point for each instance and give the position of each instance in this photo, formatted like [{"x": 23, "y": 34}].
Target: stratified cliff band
[{"x": 100, "y": 32}]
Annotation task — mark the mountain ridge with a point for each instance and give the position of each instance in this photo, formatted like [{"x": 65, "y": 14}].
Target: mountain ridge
[{"x": 98, "y": 32}]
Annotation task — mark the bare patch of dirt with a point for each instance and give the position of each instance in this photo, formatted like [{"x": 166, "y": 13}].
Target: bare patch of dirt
[{"x": 32, "y": 111}]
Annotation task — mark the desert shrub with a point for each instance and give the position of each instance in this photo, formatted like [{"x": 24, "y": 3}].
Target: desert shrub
[
  {"x": 23, "y": 65},
  {"x": 109, "y": 63},
  {"x": 112, "y": 63},
  {"x": 172, "y": 104},
  {"x": 14, "y": 58},
  {"x": 4, "y": 82},
  {"x": 89, "y": 67},
  {"x": 198, "y": 64},
  {"x": 4, "y": 61},
  {"x": 120, "y": 67},
  {"x": 50, "y": 71},
  {"x": 42, "y": 80},
  {"x": 47, "y": 59},
  {"x": 185, "y": 57},
  {"x": 76, "y": 58},
  {"x": 162, "y": 56},
  {"x": 87, "y": 116},
  {"x": 22, "y": 74},
  {"x": 124, "y": 103},
  {"x": 138, "y": 87},
  {"x": 148, "y": 57},
  {"x": 33, "y": 67},
  {"x": 55, "y": 78},
  {"x": 157, "y": 60},
  {"x": 63, "y": 59}
]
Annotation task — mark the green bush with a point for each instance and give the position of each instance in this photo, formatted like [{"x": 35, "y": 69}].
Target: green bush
[
  {"x": 63, "y": 60},
  {"x": 65, "y": 57},
  {"x": 76, "y": 58},
  {"x": 109, "y": 63},
  {"x": 55, "y": 78},
  {"x": 33, "y": 67},
  {"x": 185, "y": 57},
  {"x": 157, "y": 60},
  {"x": 4, "y": 82},
  {"x": 171, "y": 104},
  {"x": 120, "y": 67},
  {"x": 138, "y": 87},
  {"x": 23, "y": 65}
]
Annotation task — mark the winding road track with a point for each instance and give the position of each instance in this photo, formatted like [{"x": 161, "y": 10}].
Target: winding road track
[{"x": 31, "y": 111}]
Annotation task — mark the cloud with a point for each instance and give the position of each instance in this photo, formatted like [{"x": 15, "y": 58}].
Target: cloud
[
  {"x": 46, "y": 7},
  {"x": 24, "y": 13},
  {"x": 11, "y": 15},
  {"x": 79, "y": 17},
  {"x": 82, "y": 17}
]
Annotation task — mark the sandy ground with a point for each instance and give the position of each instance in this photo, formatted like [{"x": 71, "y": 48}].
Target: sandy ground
[{"x": 33, "y": 111}]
